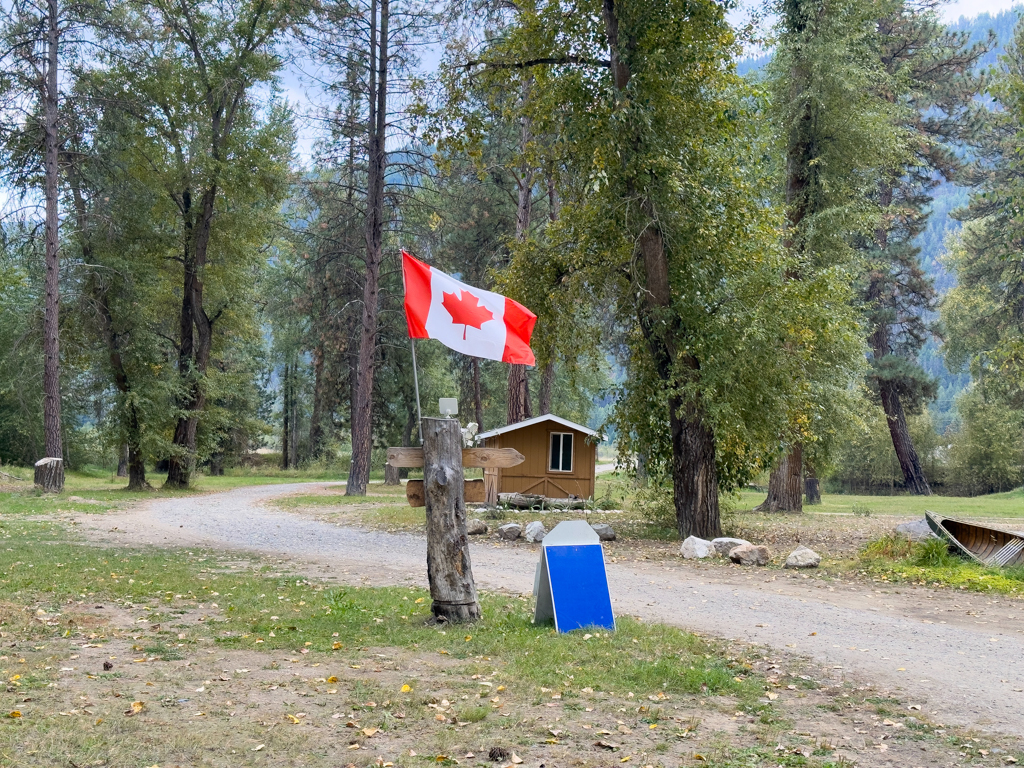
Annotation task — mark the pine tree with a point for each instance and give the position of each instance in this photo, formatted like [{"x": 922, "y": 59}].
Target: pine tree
[{"x": 932, "y": 72}]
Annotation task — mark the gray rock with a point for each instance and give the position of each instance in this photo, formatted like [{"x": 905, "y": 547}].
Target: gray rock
[
  {"x": 803, "y": 557},
  {"x": 724, "y": 545},
  {"x": 535, "y": 532},
  {"x": 918, "y": 530},
  {"x": 750, "y": 554},
  {"x": 604, "y": 531},
  {"x": 476, "y": 527},
  {"x": 695, "y": 548},
  {"x": 510, "y": 531}
]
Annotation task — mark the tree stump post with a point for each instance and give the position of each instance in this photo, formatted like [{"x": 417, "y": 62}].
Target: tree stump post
[
  {"x": 449, "y": 569},
  {"x": 392, "y": 475},
  {"x": 50, "y": 474}
]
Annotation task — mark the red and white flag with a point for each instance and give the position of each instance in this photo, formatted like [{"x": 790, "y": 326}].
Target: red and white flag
[{"x": 469, "y": 320}]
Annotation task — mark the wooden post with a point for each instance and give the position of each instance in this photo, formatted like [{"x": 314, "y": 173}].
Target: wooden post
[
  {"x": 491, "y": 486},
  {"x": 449, "y": 569}
]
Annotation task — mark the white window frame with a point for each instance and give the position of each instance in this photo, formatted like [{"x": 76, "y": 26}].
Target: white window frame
[{"x": 572, "y": 452}]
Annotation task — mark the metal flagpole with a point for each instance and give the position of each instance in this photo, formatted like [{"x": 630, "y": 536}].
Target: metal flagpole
[{"x": 416, "y": 382}]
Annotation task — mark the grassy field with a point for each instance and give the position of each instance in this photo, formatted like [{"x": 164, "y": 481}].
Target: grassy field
[
  {"x": 126, "y": 659},
  {"x": 1002, "y": 505}
]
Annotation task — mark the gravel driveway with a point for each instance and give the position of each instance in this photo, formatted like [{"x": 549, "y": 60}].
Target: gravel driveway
[{"x": 959, "y": 655}]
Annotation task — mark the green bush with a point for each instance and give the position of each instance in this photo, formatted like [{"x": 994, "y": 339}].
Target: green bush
[{"x": 987, "y": 452}]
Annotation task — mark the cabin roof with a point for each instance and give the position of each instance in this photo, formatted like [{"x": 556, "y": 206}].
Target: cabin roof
[{"x": 537, "y": 420}]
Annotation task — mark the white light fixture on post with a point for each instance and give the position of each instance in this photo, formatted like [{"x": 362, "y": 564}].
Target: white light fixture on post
[{"x": 448, "y": 406}]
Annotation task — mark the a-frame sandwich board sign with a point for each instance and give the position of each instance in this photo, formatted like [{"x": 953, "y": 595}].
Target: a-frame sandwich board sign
[{"x": 571, "y": 584}]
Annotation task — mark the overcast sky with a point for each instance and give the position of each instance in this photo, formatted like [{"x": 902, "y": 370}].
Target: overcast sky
[{"x": 954, "y": 11}]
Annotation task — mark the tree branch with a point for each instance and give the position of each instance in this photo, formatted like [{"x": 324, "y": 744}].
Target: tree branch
[{"x": 548, "y": 60}]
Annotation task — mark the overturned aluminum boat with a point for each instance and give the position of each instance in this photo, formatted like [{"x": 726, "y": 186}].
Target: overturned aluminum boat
[{"x": 988, "y": 546}]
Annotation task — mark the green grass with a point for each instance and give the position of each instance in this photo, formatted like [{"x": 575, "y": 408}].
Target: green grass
[
  {"x": 261, "y": 611},
  {"x": 892, "y": 558},
  {"x": 1006, "y": 505}
]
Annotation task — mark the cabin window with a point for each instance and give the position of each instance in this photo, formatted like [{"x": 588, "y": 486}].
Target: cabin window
[{"x": 561, "y": 452}]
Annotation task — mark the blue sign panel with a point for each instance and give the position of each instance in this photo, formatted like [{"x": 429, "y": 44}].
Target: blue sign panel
[{"x": 571, "y": 584}]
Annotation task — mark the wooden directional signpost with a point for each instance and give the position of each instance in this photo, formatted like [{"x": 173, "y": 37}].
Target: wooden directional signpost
[{"x": 442, "y": 492}]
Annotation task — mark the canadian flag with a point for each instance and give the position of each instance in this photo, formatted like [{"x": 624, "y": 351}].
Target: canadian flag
[{"x": 463, "y": 318}]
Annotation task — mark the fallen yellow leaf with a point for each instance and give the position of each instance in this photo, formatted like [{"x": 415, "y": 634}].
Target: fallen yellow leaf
[
  {"x": 293, "y": 718},
  {"x": 368, "y": 732},
  {"x": 332, "y": 679},
  {"x": 516, "y": 758},
  {"x": 406, "y": 688},
  {"x": 419, "y": 600},
  {"x": 15, "y": 713},
  {"x": 468, "y": 638},
  {"x": 259, "y": 748},
  {"x": 135, "y": 708},
  {"x": 336, "y": 646},
  {"x": 353, "y": 746}
]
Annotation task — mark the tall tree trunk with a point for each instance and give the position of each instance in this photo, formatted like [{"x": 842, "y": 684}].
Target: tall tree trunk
[
  {"x": 316, "y": 431},
  {"x": 286, "y": 412},
  {"x": 295, "y": 418},
  {"x": 812, "y": 486},
  {"x": 136, "y": 459},
  {"x": 785, "y": 487},
  {"x": 785, "y": 492},
  {"x": 547, "y": 386},
  {"x": 196, "y": 329},
  {"x": 896, "y": 418},
  {"x": 122, "y": 460},
  {"x": 694, "y": 473},
  {"x": 53, "y": 442},
  {"x": 518, "y": 394},
  {"x": 478, "y": 400},
  {"x": 362, "y": 416},
  {"x": 518, "y": 385},
  {"x": 547, "y": 377},
  {"x": 913, "y": 473}
]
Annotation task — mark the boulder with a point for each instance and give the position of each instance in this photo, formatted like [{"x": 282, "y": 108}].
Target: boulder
[
  {"x": 476, "y": 527},
  {"x": 724, "y": 545},
  {"x": 750, "y": 554},
  {"x": 510, "y": 531},
  {"x": 803, "y": 557},
  {"x": 604, "y": 531},
  {"x": 695, "y": 548},
  {"x": 535, "y": 532},
  {"x": 917, "y": 530}
]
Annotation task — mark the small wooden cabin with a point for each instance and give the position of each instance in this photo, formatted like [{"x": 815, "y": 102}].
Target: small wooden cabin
[{"x": 561, "y": 458}]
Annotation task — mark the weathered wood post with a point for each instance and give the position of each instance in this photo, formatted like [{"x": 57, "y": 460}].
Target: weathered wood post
[{"x": 449, "y": 569}]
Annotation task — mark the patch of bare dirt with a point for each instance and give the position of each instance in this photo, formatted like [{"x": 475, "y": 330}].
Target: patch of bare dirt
[{"x": 121, "y": 690}]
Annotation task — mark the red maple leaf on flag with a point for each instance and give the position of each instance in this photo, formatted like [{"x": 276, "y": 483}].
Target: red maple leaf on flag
[{"x": 466, "y": 311}]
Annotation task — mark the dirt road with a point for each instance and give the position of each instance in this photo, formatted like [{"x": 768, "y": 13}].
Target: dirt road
[{"x": 959, "y": 655}]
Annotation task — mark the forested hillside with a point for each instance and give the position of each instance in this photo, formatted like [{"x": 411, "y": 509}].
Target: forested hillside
[{"x": 741, "y": 270}]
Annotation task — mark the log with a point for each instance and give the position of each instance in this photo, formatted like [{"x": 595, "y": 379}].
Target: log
[
  {"x": 50, "y": 474},
  {"x": 449, "y": 569},
  {"x": 471, "y": 457},
  {"x": 473, "y": 492}
]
